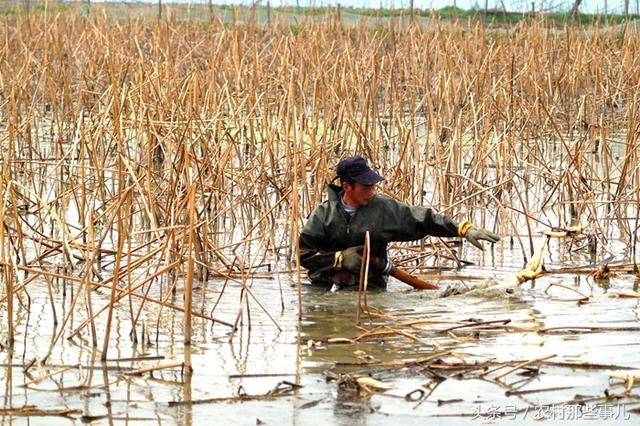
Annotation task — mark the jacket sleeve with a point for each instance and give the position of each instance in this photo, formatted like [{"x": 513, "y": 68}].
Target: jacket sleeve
[
  {"x": 313, "y": 254},
  {"x": 409, "y": 223},
  {"x": 315, "y": 259}
]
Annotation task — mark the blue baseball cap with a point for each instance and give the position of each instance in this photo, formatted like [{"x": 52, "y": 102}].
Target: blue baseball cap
[{"x": 356, "y": 169}]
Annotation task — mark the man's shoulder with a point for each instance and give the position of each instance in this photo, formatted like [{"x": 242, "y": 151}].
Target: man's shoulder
[
  {"x": 323, "y": 207},
  {"x": 327, "y": 204}
]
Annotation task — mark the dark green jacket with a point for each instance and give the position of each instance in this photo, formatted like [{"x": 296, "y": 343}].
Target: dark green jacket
[{"x": 328, "y": 229}]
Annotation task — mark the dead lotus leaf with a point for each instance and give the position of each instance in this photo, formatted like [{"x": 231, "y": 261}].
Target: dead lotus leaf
[
  {"x": 370, "y": 383},
  {"x": 622, "y": 294},
  {"x": 337, "y": 340}
]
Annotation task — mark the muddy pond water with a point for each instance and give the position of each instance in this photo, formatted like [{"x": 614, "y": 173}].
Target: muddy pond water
[{"x": 278, "y": 370}]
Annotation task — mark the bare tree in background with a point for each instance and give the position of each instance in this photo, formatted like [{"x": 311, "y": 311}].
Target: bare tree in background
[
  {"x": 574, "y": 9},
  {"x": 268, "y": 12}
]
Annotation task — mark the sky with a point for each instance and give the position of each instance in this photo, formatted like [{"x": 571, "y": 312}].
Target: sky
[{"x": 588, "y": 6}]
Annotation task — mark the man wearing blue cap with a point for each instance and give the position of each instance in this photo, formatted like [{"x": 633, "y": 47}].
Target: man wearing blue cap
[{"x": 332, "y": 238}]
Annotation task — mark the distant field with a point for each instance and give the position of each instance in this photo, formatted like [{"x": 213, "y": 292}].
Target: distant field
[{"x": 293, "y": 15}]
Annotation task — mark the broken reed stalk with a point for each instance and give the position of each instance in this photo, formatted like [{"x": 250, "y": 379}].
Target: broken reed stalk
[
  {"x": 88, "y": 267},
  {"x": 188, "y": 281},
  {"x": 7, "y": 271},
  {"x": 32, "y": 411},
  {"x": 169, "y": 365},
  {"x": 524, "y": 364},
  {"x": 121, "y": 236},
  {"x": 295, "y": 227},
  {"x": 363, "y": 278},
  {"x": 583, "y": 296},
  {"x": 456, "y": 118}
]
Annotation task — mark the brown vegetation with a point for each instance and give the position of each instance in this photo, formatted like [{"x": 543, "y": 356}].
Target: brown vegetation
[{"x": 139, "y": 154}]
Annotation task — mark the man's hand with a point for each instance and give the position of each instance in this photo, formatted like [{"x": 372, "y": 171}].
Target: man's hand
[
  {"x": 349, "y": 259},
  {"x": 474, "y": 235}
]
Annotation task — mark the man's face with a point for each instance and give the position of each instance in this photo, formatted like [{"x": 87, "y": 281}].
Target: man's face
[{"x": 357, "y": 194}]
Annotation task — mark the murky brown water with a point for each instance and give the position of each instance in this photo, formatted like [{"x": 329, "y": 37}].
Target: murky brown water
[{"x": 263, "y": 355}]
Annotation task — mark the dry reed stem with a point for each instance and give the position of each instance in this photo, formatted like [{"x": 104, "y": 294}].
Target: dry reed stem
[
  {"x": 582, "y": 295},
  {"x": 363, "y": 278},
  {"x": 32, "y": 411},
  {"x": 188, "y": 283},
  {"x": 143, "y": 370},
  {"x": 44, "y": 377},
  {"x": 523, "y": 364}
]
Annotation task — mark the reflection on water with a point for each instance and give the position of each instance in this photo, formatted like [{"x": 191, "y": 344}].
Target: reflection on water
[{"x": 263, "y": 354}]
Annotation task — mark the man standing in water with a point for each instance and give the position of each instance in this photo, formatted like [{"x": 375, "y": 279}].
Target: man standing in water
[{"x": 332, "y": 239}]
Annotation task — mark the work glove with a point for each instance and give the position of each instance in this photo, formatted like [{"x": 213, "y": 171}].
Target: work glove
[
  {"x": 351, "y": 260},
  {"x": 474, "y": 235}
]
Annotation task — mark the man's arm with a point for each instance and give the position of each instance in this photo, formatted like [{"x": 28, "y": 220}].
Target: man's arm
[
  {"x": 312, "y": 257},
  {"x": 313, "y": 254},
  {"x": 409, "y": 223}
]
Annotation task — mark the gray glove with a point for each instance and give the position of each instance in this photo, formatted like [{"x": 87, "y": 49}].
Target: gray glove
[
  {"x": 352, "y": 259},
  {"x": 474, "y": 235}
]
